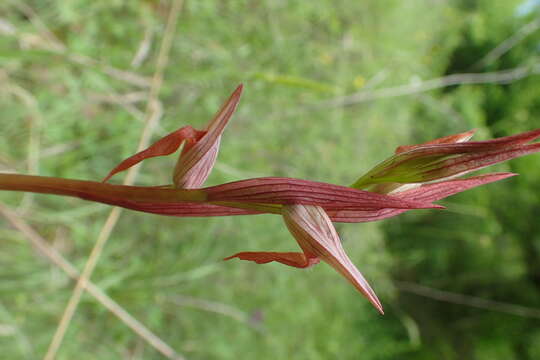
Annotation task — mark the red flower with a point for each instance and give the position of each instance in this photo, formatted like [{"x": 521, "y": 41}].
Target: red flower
[
  {"x": 318, "y": 239},
  {"x": 414, "y": 177},
  {"x": 200, "y": 148}
]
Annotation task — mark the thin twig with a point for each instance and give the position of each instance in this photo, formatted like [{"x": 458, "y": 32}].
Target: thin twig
[
  {"x": 119, "y": 74},
  {"x": 508, "y": 44},
  {"x": 126, "y": 101},
  {"x": 144, "y": 46},
  {"x": 35, "y": 121},
  {"x": 497, "y": 77},
  {"x": 23, "y": 342},
  {"x": 6, "y": 28},
  {"x": 39, "y": 24},
  {"x": 57, "y": 259},
  {"x": 468, "y": 300},
  {"x": 47, "y": 41},
  {"x": 153, "y": 113},
  {"x": 215, "y": 307}
]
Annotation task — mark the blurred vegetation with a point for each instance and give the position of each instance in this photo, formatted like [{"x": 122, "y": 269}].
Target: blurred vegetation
[{"x": 64, "y": 114}]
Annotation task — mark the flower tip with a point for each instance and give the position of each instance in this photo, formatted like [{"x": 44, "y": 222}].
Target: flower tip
[
  {"x": 237, "y": 92},
  {"x": 450, "y": 139},
  {"x": 373, "y": 299},
  {"x": 500, "y": 176}
]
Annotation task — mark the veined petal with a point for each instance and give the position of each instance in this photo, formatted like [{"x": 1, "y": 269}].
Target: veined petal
[
  {"x": 315, "y": 233},
  {"x": 294, "y": 259},
  {"x": 194, "y": 203},
  {"x": 437, "y": 161},
  {"x": 214, "y": 200},
  {"x": 475, "y": 161},
  {"x": 450, "y": 139},
  {"x": 425, "y": 192},
  {"x": 164, "y": 146},
  {"x": 440, "y": 190},
  {"x": 197, "y": 160},
  {"x": 199, "y": 152},
  {"x": 286, "y": 191}
]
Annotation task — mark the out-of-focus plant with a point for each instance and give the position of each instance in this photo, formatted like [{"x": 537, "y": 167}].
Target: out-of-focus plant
[{"x": 413, "y": 178}]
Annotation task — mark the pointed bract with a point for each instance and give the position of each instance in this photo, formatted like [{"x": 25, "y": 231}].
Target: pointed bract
[
  {"x": 164, "y": 146},
  {"x": 440, "y": 161},
  {"x": 315, "y": 233},
  {"x": 424, "y": 192},
  {"x": 450, "y": 139},
  {"x": 196, "y": 161},
  {"x": 199, "y": 152}
]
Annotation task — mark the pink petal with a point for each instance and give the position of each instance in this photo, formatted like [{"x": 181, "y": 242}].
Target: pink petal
[
  {"x": 476, "y": 146},
  {"x": 315, "y": 233},
  {"x": 425, "y": 193},
  {"x": 196, "y": 161},
  {"x": 199, "y": 152},
  {"x": 274, "y": 190},
  {"x": 164, "y": 146},
  {"x": 440, "y": 190},
  {"x": 438, "y": 161},
  {"x": 451, "y": 139},
  {"x": 472, "y": 162},
  {"x": 295, "y": 259}
]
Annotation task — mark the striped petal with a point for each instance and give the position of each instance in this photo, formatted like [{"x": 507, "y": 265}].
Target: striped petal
[
  {"x": 315, "y": 233},
  {"x": 286, "y": 191},
  {"x": 197, "y": 160},
  {"x": 440, "y": 160},
  {"x": 318, "y": 239},
  {"x": 423, "y": 193},
  {"x": 199, "y": 152}
]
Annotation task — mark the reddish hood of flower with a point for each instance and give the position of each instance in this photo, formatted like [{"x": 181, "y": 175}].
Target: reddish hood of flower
[
  {"x": 199, "y": 152},
  {"x": 318, "y": 239},
  {"x": 440, "y": 159},
  {"x": 401, "y": 183},
  {"x": 423, "y": 193}
]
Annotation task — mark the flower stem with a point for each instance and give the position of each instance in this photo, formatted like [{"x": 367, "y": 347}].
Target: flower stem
[{"x": 93, "y": 189}]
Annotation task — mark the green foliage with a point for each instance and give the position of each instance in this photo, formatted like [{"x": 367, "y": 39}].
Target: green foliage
[
  {"x": 61, "y": 112},
  {"x": 487, "y": 246}
]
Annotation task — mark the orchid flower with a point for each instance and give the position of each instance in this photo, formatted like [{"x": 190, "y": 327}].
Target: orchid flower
[
  {"x": 200, "y": 148},
  {"x": 444, "y": 158},
  {"x": 413, "y": 178},
  {"x": 318, "y": 239}
]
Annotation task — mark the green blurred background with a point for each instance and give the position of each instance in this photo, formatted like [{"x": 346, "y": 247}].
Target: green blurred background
[{"x": 331, "y": 88}]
